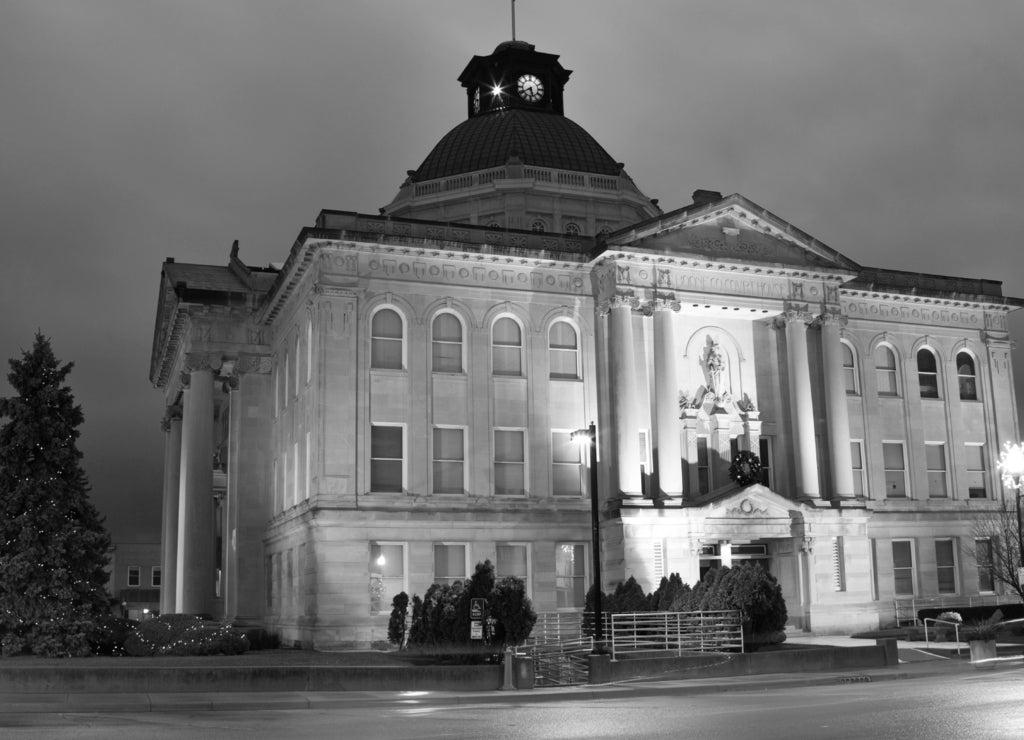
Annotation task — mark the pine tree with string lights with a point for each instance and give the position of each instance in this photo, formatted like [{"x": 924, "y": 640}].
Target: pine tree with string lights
[{"x": 53, "y": 546}]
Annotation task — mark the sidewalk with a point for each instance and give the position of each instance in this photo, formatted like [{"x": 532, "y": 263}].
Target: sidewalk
[{"x": 915, "y": 662}]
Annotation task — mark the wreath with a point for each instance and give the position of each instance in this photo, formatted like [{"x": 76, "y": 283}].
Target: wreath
[{"x": 745, "y": 468}]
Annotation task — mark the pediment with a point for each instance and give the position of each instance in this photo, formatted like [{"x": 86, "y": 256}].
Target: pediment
[
  {"x": 753, "y": 502},
  {"x": 734, "y": 230}
]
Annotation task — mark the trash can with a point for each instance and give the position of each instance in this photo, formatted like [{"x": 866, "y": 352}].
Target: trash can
[{"x": 524, "y": 672}]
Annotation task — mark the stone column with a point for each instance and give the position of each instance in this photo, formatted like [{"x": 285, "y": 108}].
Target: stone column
[
  {"x": 801, "y": 405},
  {"x": 247, "y": 501},
  {"x": 836, "y": 407},
  {"x": 622, "y": 351},
  {"x": 195, "y": 574},
  {"x": 689, "y": 422},
  {"x": 666, "y": 395},
  {"x": 171, "y": 425}
]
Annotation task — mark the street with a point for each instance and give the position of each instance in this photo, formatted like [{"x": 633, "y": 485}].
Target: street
[{"x": 977, "y": 705}]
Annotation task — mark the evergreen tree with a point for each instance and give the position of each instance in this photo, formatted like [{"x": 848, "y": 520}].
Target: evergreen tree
[{"x": 53, "y": 546}]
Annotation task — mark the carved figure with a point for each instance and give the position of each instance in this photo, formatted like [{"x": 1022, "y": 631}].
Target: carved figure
[{"x": 715, "y": 364}]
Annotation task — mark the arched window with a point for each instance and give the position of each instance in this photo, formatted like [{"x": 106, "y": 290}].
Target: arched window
[
  {"x": 538, "y": 225},
  {"x": 572, "y": 229},
  {"x": 967, "y": 379},
  {"x": 386, "y": 335},
  {"x": 446, "y": 346},
  {"x": 563, "y": 350},
  {"x": 507, "y": 347},
  {"x": 885, "y": 369},
  {"x": 927, "y": 373},
  {"x": 849, "y": 369}
]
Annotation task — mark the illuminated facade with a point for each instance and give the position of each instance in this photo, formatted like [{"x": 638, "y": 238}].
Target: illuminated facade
[{"x": 394, "y": 404}]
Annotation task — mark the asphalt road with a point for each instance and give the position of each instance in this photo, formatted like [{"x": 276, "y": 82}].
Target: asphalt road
[{"x": 984, "y": 705}]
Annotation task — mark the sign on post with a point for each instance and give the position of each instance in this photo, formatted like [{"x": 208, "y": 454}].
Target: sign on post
[{"x": 477, "y": 607}]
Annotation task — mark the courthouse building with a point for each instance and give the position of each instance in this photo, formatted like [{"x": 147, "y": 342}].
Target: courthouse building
[{"x": 395, "y": 403}]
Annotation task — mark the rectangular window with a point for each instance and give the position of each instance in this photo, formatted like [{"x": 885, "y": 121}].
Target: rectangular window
[
  {"x": 903, "y": 567},
  {"x": 566, "y": 467},
  {"x": 977, "y": 484},
  {"x": 764, "y": 445},
  {"x": 895, "y": 470},
  {"x": 983, "y": 558},
  {"x": 935, "y": 460},
  {"x": 450, "y": 563},
  {"x": 134, "y": 576},
  {"x": 387, "y": 445},
  {"x": 838, "y": 565},
  {"x": 857, "y": 458},
  {"x": 155, "y": 577},
  {"x": 449, "y": 460},
  {"x": 570, "y": 575},
  {"x": 513, "y": 559},
  {"x": 387, "y": 574},
  {"x": 645, "y": 460},
  {"x": 308, "y": 470},
  {"x": 295, "y": 473},
  {"x": 945, "y": 566},
  {"x": 509, "y": 462},
  {"x": 703, "y": 466}
]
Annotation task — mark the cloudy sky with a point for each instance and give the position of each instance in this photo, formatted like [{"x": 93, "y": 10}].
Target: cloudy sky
[{"x": 136, "y": 130}]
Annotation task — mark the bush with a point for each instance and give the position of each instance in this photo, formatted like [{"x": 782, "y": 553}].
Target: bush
[
  {"x": 441, "y": 619},
  {"x": 396, "y": 625},
  {"x": 110, "y": 633},
  {"x": 184, "y": 634}
]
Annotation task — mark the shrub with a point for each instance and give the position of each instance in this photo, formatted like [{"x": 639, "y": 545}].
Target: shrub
[
  {"x": 512, "y": 612},
  {"x": 110, "y": 633},
  {"x": 396, "y": 624},
  {"x": 441, "y": 620},
  {"x": 184, "y": 634}
]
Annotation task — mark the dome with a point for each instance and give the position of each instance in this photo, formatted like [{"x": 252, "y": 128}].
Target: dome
[{"x": 537, "y": 138}]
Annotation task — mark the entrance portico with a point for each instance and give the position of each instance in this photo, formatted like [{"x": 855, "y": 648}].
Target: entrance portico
[{"x": 819, "y": 556}]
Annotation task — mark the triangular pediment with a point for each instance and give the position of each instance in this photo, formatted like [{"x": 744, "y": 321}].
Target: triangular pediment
[{"x": 732, "y": 229}]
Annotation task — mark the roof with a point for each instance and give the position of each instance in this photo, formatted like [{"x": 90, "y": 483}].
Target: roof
[
  {"x": 204, "y": 277},
  {"x": 537, "y": 138}
]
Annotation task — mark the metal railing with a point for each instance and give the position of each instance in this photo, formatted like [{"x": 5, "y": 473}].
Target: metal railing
[
  {"x": 561, "y": 664},
  {"x": 934, "y": 621},
  {"x": 678, "y": 631},
  {"x": 906, "y": 609}
]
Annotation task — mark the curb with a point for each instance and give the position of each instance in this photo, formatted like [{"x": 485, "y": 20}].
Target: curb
[{"x": 86, "y": 703}]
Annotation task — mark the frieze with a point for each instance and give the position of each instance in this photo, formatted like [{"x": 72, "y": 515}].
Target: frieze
[
  {"x": 519, "y": 278},
  {"x": 732, "y": 286},
  {"x": 252, "y": 363},
  {"x": 900, "y": 312},
  {"x": 733, "y": 246}
]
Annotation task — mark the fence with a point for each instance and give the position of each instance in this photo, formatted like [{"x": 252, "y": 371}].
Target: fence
[{"x": 679, "y": 631}]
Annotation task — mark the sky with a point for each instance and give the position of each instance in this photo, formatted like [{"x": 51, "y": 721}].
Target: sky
[{"x": 136, "y": 130}]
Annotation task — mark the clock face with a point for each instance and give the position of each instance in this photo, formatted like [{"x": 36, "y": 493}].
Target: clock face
[{"x": 530, "y": 88}]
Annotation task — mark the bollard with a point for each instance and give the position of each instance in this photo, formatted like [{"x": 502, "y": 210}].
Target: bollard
[{"x": 509, "y": 684}]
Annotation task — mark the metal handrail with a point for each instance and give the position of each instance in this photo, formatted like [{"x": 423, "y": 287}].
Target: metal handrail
[{"x": 956, "y": 630}]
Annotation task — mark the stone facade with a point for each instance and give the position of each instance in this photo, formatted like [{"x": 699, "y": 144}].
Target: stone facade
[{"x": 395, "y": 404}]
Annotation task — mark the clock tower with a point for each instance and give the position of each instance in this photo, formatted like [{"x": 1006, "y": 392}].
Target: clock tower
[{"x": 515, "y": 75}]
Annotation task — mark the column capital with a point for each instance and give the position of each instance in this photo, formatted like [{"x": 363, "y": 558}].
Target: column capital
[
  {"x": 618, "y": 301},
  {"x": 665, "y": 304},
  {"x": 171, "y": 413},
  {"x": 796, "y": 312},
  {"x": 832, "y": 318}
]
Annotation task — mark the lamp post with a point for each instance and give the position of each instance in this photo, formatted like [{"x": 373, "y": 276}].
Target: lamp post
[
  {"x": 588, "y": 437},
  {"x": 1011, "y": 465}
]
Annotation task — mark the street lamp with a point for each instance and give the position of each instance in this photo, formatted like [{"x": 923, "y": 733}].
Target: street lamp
[
  {"x": 1011, "y": 465},
  {"x": 588, "y": 437}
]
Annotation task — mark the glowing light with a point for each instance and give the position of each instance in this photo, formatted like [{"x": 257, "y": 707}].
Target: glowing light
[
  {"x": 496, "y": 91},
  {"x": 381, "y": 560},
  {"x": 581, "y": 437},
  {"x": 1011, "y": 465}
]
